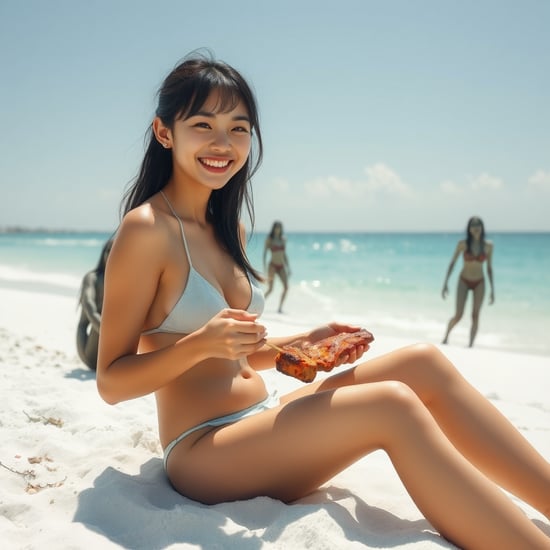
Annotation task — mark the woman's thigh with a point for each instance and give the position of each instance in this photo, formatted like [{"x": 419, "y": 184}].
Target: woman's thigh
[
  {"x": 479, "y": 293},
  {"x": 289, "y": 451},
  {"x": 422, "y": 367},
  {"x": 461, "y": 295},
  {"x": 283, "y": 276}
]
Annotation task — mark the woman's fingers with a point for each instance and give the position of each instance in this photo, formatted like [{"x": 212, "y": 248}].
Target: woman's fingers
[
  {"x": 353, "y": 355},
  {"x": 235, "y": 333}
]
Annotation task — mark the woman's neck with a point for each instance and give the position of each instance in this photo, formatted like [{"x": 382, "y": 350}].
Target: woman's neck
[{"x": 189, "y": 204}]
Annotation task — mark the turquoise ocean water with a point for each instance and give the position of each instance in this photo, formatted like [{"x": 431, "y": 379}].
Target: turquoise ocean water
[{"x": 389, "y": 283}]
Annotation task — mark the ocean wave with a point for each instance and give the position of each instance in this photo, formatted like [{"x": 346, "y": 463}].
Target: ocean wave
[
  {"x": 72, "y": 242},
  {"x": 22, "y": 275}
]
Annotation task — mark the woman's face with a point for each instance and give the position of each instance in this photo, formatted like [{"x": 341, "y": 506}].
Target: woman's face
[
  {"x": 210, "y": 147},
  {"x": 476, "y": 229}
]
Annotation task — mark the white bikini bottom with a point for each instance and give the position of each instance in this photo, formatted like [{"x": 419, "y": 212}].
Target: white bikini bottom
[{"x": 268, "y": 403}]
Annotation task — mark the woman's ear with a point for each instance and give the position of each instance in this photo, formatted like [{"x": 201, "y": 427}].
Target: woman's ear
[{"x": 162, "y": 133}]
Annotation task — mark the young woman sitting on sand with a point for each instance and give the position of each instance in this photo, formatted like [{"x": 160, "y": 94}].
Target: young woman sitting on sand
[{"x": 181, "y": 319}]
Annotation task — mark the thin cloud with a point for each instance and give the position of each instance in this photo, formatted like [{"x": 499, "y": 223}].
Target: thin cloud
[
  {"x": 540, "y": 180},
  {"x": 330, "y": 186},
  {"x": 381, "y": 179},
  {"x": 485, "y": 181},
  {"x": 282, "y": 185},
  {"x": 449, "y": 187}
]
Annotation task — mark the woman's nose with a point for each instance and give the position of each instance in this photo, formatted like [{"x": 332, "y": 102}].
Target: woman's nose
[{"x": 221, "y": 141}]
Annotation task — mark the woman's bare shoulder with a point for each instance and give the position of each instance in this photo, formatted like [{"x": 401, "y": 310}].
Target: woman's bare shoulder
[
  {"x": 461, "y": 245},
  {"x": 145, "y": 221},
  {"x": 143, "y": 237}
]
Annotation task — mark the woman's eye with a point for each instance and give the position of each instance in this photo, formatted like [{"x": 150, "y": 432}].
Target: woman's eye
[
  {"x": 242, "y": 129},
  {"x": 201, "y": 125}
]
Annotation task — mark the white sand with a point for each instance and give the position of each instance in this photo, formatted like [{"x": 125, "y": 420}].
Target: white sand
[{"x": 77, "y": 473}]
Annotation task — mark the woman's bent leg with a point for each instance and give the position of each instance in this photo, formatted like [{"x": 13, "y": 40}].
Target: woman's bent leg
[
  {"x": 471, "y": 422},
  {"x": 288, "y": 452}
]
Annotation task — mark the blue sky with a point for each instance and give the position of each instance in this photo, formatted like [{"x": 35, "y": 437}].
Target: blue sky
[{"x": 376, "y": 116}]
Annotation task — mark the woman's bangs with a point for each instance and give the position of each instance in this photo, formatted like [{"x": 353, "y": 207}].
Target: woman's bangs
[{"x": 228, "y": 94}]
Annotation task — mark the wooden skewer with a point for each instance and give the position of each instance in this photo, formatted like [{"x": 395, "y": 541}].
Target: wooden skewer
[
  {"x": 275, "y": 347},
  {"x": 299, "y": 352}
]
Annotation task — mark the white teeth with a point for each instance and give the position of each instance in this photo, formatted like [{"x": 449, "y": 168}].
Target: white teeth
[{"x": 215, "y": 163}]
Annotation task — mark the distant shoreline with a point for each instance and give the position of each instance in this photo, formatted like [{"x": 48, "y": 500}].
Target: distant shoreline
[{"x": 19, "y": 230}]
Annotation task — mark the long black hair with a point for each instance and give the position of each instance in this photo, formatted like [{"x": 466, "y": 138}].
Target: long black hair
[
  {"x": 476, "y": 220},
  {"x": 273, "y": 227},
  {"x": 182, "y": 95}
]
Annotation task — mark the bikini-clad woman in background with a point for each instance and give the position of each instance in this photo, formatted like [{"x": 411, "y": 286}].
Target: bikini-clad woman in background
[
  {"x": 278, "y": 264},
  {"x": 476, "y": 251},
  {"x": 91, "y": 301}
]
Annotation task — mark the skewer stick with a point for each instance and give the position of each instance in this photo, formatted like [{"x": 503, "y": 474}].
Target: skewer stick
[
  {"x": 275, "y": 347},
  {"x": 298, "y": 351}
]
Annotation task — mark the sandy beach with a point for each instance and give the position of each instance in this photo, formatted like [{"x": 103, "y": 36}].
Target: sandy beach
[{"x": 78, "y": 473}]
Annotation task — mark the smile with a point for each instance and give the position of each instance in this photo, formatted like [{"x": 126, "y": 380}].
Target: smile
[{"x": 215, "y": 163}]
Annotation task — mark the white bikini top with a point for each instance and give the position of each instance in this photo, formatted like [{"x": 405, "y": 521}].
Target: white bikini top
[{"x": 200, "y": 301}]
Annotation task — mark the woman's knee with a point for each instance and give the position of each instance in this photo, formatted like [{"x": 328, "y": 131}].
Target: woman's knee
[
  {"x": 432, "y": 370},
  {"x": 398, "y": 394},
  {"x": 429, "y": 355},
  {"x": 401, "y": 409}
]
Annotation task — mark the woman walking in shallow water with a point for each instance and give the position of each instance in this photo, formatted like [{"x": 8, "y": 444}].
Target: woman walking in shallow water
[
  {"x": 278, "y": 263},
  {"x": 181, "y": 319},
  {"x": 476, "y": 251}
]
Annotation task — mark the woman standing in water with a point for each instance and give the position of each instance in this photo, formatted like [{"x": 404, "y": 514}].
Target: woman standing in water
[
  {"x": 278, "y": 264},
  {"x": 181, "y": 319},
  {"x": 476, "y": 251}
]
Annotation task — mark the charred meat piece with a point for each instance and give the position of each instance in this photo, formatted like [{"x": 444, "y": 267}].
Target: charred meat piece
[{"x": 304, "y": 362}]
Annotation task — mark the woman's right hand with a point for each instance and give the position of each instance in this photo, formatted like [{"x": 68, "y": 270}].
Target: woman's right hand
[{"x": 233, "y": 334}]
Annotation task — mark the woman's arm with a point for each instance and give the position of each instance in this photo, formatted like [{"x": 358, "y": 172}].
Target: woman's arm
[
  {"x": 266, "y": 248},
  {"x": 458, "y": 250},
  {"x": 285, "y": 259},
  {"x": 489, "y": 248},
  {"x": 133, "y": 276},
  {"x": 132, "y": 279}
]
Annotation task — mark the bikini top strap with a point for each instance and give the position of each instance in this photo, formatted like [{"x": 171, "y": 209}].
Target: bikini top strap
[{"x": 181, "y": 228}]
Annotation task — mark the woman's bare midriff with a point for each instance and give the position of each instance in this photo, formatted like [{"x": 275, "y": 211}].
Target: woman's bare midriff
[
  {"x": 472, "y": 271},
  {"x": 212, "y": 388}
]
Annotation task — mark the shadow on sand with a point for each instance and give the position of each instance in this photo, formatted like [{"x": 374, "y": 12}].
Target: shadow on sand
[{"x": 143, "y": 511}]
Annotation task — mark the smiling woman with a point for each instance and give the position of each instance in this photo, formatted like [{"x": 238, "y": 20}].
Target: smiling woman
[{"x": 180, "y": 319}]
